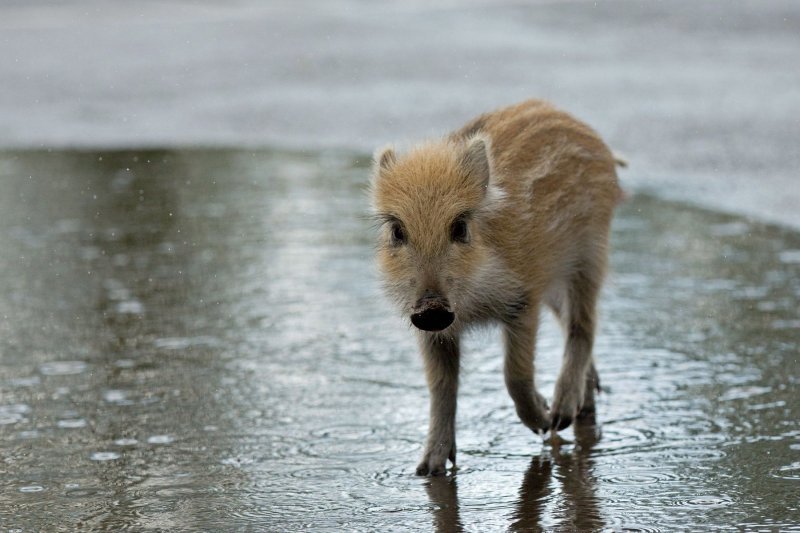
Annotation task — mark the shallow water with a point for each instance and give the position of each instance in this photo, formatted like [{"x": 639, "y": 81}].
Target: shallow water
[{"x": 196, "y": 340}]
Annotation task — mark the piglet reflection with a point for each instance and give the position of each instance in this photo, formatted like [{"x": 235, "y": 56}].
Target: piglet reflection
[
  {"x": 443, "y": 493},
  {"x": 578, "y": 509},
  {"x": 574, "y": 507}
]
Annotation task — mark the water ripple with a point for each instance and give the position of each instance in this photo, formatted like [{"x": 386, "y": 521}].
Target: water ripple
[
  {"x": 14, "y": 413},
  {"x": 32, "y": 488},
  {"x": 104, "y": 456},
  {"x": 160, "y": 439},
  {"x": 790, "y": 471},
  {"x": 71, "y": 423},
  {"x": 706, "y": 501},
  {"x": 640, "y": 477},
  {"x": 63, "y": 368}
]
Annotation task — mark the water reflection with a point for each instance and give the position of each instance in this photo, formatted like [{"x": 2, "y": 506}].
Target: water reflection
[
  {"x": 578, "y": 508},
  {"x": 558, "y": 490},
  {"x": 443, "y": 494}
]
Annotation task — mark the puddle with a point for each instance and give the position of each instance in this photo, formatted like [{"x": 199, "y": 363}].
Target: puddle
[{"x": 197, "y": 340}]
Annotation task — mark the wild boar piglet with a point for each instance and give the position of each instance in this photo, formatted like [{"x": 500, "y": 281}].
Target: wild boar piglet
[{"x": 510, "y": 212}]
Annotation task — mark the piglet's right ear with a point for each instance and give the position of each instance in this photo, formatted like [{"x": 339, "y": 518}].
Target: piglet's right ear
[
  {"x": 475, "y": 160},
  {"x": 384, "y": 158}
]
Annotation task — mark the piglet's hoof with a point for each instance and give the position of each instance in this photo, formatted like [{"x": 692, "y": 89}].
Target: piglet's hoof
[
  {"x": 434, "y": 462},
  {"x": 560, "y": 422}
]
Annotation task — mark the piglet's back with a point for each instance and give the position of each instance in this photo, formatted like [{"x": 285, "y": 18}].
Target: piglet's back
[
  {"x": 559, "y": 181},
  {"x": 533, "y": 140}
]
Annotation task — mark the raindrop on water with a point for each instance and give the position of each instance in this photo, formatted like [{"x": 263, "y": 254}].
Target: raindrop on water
[
  {"x": 160, "y": 439},
  {"x": 104, "y": 456}
]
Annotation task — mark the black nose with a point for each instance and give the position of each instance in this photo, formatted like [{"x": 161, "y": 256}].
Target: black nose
[{"x": 433, "y": 319}]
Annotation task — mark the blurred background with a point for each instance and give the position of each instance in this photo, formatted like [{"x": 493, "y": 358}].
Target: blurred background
[
  {"x": 701, "y": 97},
  {"x": 192, "y": 334}
]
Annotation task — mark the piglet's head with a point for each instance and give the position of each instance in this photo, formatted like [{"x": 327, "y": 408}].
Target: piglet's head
[{"x": 431, "y": 205}]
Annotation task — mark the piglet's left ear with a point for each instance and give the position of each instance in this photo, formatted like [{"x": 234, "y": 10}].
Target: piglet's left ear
[
  {"x": 384, "y": 158},
  {"x": 475, "y": 160}
]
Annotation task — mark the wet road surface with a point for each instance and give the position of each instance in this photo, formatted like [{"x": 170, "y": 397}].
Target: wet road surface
[{"x": 196, "y": 340}]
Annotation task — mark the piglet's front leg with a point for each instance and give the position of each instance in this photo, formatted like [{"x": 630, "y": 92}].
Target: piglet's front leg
[
  {"x": 520, "y": 341},
  {"x": 441, "y": 355}
]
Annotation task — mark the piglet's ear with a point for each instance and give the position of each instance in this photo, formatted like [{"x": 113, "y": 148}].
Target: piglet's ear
[
  {"x": 384, "y": 159},
  {"x": 475, "y": 160}
]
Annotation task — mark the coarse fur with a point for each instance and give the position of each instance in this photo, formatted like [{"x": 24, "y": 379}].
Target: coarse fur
[{"x": 510, "y": 212}]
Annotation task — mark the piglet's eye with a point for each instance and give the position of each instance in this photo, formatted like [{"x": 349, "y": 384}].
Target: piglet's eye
[
  {"x": 459, "y": 231},
  {"x": 398, "y": 235}
]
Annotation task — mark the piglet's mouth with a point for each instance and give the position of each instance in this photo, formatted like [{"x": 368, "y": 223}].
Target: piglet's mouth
[{"x": 432, "y": 315}]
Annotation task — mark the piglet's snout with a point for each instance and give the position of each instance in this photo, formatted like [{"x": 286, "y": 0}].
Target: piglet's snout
[{"x": 432, "y": 313}]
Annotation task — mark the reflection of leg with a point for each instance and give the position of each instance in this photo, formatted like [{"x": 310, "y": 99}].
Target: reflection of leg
[
  {"x": 443, "y": 493},
  {"x": 587, "y": 434},
  {"x": 441, "y": 355},
  {"x": 579, "y": 486},
  {"x": 520, "y": 340},
  {"x": 533, "y": 495}
]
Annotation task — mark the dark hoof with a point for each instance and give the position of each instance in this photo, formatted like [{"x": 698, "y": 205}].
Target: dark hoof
[
  {"x": 560, "y": 422},
  {"x": 586, "y": 412},
  {"x": 424, "y": 470},
  {"x": 586, "y": 420},
  {"x": 438, "y": 472}
]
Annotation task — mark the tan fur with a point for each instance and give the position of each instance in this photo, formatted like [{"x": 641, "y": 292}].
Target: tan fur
[{"x": 537, "y": 191}]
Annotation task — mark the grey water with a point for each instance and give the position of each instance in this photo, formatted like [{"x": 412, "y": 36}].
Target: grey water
[{"x": 196, "y": 340}]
